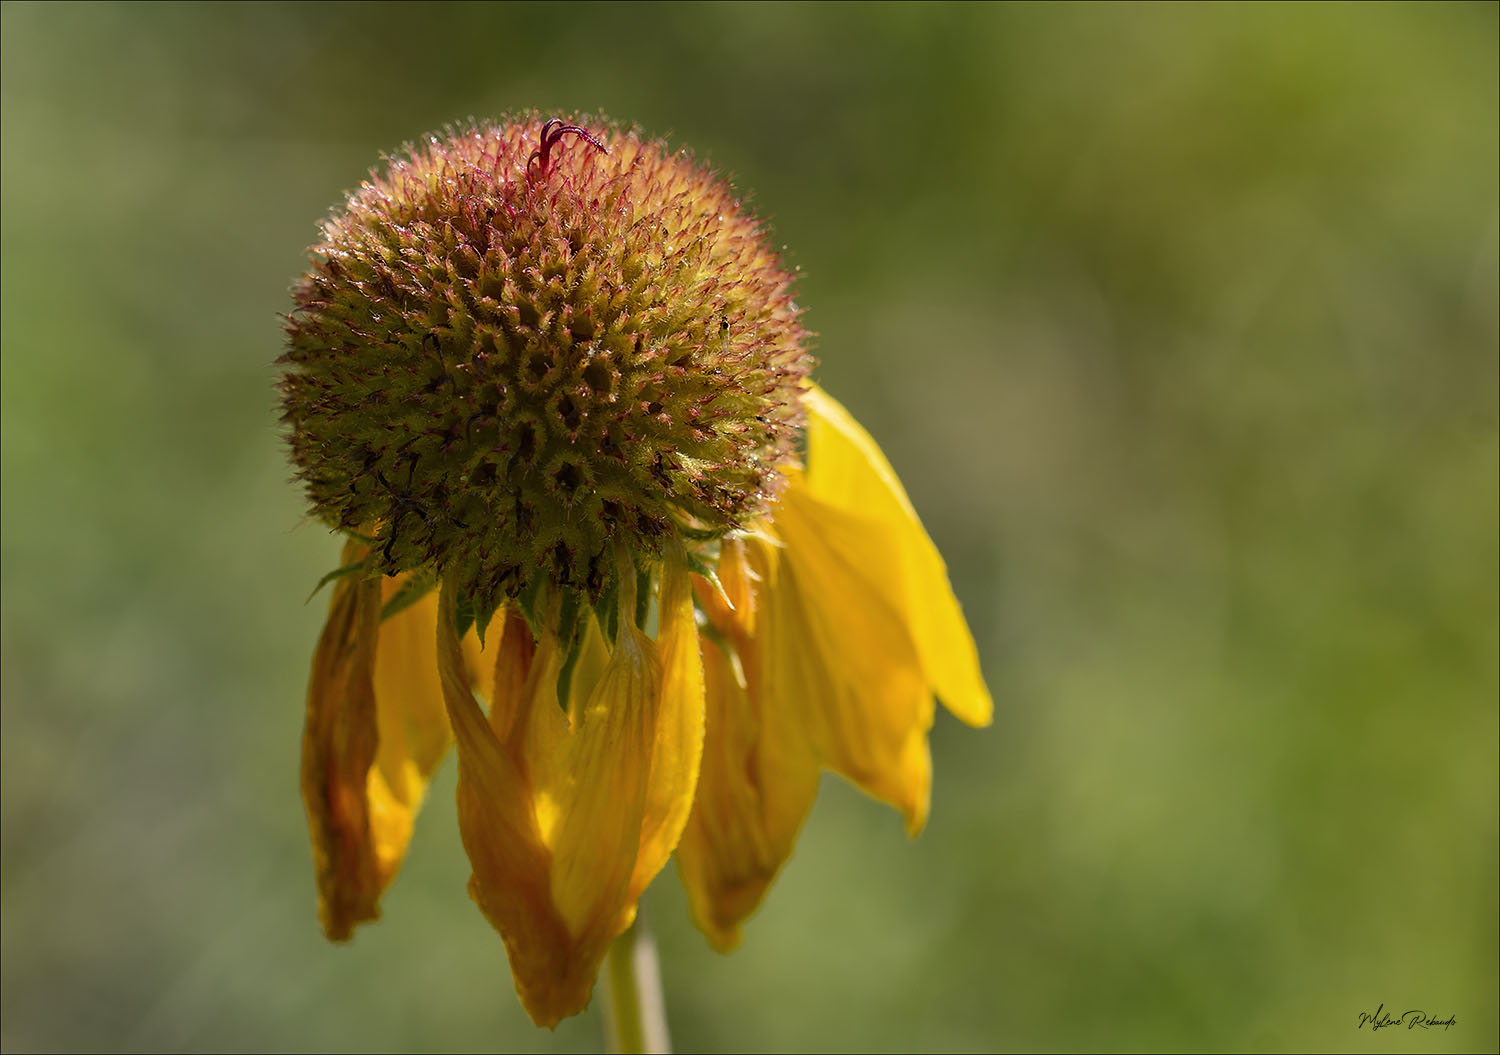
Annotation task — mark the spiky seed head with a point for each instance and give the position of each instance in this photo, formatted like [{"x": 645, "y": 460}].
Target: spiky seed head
[{"x": 517, "y": 356}]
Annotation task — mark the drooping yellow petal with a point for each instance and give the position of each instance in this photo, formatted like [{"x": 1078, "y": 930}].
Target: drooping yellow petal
[
  {"x": 376, "y": 729},
  {"x": 838, "y": 623},
  {"x": 568, "y": 815},
  {"x": 678, "y": 746},
  {"x": 757, "y": 784},
  {"x": 511, "y": 882},
  {"x": 412, "y": 723},
  {"x": 839, "y": 646},
  {"x": 759, "y": 773},
  {"x": 609, "y": 762},
  {"x": 847, "y": 471}
]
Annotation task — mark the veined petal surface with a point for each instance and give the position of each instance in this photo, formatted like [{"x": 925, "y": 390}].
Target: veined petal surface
[
  {"x": 847, "y": 470},
  {"x": 568, "y": 815},
  {"x": 838, "y": 646},
  {"x": 677, "y": 749}
]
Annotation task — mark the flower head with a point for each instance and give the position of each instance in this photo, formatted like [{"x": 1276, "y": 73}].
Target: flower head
[
  {"x": 520, "y": 353},
  {"x": 549, "y": 381}
]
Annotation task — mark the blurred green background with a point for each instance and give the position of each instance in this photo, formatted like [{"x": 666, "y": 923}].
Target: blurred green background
[{"x": 1180, "y": 324}]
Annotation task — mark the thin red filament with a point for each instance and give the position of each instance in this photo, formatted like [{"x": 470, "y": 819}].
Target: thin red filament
[{"x": 552, "y": 132}]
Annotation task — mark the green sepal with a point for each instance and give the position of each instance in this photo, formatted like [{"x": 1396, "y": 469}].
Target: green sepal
[
  {"x": 463, "y": 615},
  {"x": 709, "y": 633},
  {"x": 607, "y": 611},
  {"x": 700, "y": 568},
  {"x": 704, "y": 534},
  {"x": 337, "y": 573},
  {"x": 565, "y": 674},
  {"x": 477, "y": 614},
  {"x": 642, "y": 597},
  {"x": 416, "y": 587},
  {"x": 483, "y": 614},
  {"x": 567, "y": 619},
  {"x": 529, "y": 600}
]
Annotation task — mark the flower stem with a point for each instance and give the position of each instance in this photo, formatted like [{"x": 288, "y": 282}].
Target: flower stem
[{"x": 635, "y": 1020}]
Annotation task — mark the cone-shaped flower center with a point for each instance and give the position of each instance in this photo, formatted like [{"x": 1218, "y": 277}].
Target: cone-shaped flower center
[{"x": 522, "y": 350}]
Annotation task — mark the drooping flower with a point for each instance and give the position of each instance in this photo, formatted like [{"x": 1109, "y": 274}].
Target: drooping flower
[{"x": 549, "y": 381}]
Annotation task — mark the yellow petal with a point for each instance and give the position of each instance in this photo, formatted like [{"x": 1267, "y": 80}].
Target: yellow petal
[
  {"x": 678, "y": 746},
  {"x": 609, "y": 762},
  {"x": 593, "y": 658},
  {"x": 838, "y": 645},
  {"x": 847, "y": 470},
  {"x": 758, "y": 779},
  {"x": 565, "y": 822},
  {"x": 412, "y": 726}
]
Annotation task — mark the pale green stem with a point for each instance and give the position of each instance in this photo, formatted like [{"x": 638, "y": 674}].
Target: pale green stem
[{"x": 635, "y": 1020}]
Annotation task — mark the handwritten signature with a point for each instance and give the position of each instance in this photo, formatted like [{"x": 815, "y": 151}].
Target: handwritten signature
[{"x": 1380, "y": 1019}]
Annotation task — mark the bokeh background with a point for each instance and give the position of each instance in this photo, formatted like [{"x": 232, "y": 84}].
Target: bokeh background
[{"x": 1180, "y": 324}]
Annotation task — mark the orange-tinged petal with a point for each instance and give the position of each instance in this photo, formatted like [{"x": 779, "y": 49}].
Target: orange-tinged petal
[
  {"x": 376, "y": 730},
  {"x": 758, "y": 779},
  {"x": 848, "y": 471},
  {"x": 511, "y": 883},
  {"x": 513, "y": 654},
  {"x": 738, "y": 579},
  {"x": 756, "y": 786},
  {"x": 339, "y": 743},
  {"x": 731, "y": 607},
  {"x": 838, "y": 645}
]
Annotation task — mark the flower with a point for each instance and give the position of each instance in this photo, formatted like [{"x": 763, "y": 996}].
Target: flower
[{"x": 549, "y": 382}]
